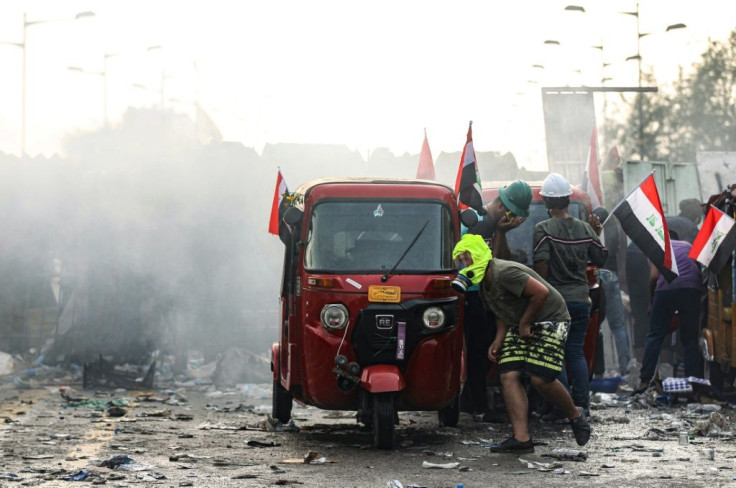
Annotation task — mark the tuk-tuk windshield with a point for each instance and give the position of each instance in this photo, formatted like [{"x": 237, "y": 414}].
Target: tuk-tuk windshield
[{"x": 370, "y": 236}]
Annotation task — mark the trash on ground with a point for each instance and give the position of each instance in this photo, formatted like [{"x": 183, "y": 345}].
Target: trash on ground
[
  {"x": 80, "y": 476},
  {"x": 682, "y": 385},
  {"x": 715, "y": 425},
  {"x": 567, "y": 454},
  {"x": 270, "y": 424},
  {"x": 115, "y": 411},
  {"x": 103, "y": 373},
  {"x": 429, "y": 465},
  {"x": 262, "y": 444},
  {"x": 544, "y": 467},
  {"x": 312, "y": 457},
  {"x": 164, "y": 412}
]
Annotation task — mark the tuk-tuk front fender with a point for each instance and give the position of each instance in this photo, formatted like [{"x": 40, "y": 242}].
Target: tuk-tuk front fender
[
  {"x": 382, "y": 378},
  {"x": 275, "y": 360}
]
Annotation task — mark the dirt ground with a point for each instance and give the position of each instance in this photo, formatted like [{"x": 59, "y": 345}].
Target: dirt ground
[{"x": 201, "y": 436}]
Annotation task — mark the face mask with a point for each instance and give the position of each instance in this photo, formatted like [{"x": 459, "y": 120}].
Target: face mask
[{"x": 471, "y": 274}]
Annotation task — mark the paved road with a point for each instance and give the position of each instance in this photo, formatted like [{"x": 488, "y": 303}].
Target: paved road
[{"x": 200, "y": 437}]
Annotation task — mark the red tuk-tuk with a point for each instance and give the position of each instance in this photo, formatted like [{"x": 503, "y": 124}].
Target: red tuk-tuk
[
  {"x": 520, "y": 243},
  {"x": 369, "y": 320}
]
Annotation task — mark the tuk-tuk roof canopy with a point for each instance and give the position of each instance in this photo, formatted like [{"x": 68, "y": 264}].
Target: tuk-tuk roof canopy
[{"x": 303, "y": 191}]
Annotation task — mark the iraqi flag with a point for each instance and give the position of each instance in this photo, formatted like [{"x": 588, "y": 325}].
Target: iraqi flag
[
  {"x": 467, "y": 183},
  {"x": 281, "y": 201},
  {"x": 641, "y": 217},
  {"x": 716, "y": 240},
  {"x": 592, "y": 183},
  {"x": 425, "y": 170}
]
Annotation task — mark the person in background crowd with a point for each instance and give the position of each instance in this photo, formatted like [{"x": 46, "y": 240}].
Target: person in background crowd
[
  {"x": 612, "y": 276},
  {"x": 681, "y": 296},
  {"x": 506, "y": 212},
  {"x": 686, "y": 224},
  {"x": 563, "y": 247},
  {"x": 637, "y": 279},
  {"x": 532, "y": 322}
]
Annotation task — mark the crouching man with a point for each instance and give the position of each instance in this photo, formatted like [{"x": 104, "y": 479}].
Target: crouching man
[{"x": 532, "y": 324}]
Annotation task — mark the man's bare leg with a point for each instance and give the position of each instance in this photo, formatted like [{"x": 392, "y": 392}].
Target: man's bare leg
[
  {"x": 517, "y": 405},
  {"x": 554, "y": 392}
]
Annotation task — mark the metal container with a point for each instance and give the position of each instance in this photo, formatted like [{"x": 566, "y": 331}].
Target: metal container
[{"x": 684, "y": 440}]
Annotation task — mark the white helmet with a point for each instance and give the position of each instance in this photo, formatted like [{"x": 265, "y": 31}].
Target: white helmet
[{"x": 555, "y": 185}]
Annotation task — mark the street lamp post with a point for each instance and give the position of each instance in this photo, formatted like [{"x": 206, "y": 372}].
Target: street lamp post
[
  {"x": 163, "y": 77},
  {"x": 638, "y": 58},
  {"x": 103, "y": 74},
  {"x": 27, "y": 23}
]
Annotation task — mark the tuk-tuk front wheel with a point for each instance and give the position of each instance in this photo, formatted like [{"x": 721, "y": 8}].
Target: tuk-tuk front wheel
[
  {"x": 281, "y": 403},
  {"x": 384, "y": 419}
]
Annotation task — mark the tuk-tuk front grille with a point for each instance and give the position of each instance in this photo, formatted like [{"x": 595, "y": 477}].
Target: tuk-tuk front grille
[{"x": 376, "y": 330}]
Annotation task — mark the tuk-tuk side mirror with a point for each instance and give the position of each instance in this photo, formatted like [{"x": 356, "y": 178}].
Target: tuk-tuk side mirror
[
  {"x": 468, "y": 217},
  {"x": 293, "y": 216}
]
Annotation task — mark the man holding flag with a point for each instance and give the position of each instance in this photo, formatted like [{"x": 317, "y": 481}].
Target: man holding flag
[
  {"x": 716, "y": 240},
  {"x": 682, "y": 296},
  {"x": 675, "y": 279}
]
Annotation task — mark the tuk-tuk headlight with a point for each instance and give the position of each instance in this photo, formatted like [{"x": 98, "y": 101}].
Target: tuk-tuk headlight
[
  {"x": 334, "y": 316},
  {"x": 433, "y": 317}
]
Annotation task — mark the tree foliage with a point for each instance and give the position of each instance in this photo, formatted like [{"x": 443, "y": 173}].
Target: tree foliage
[{"x": 698, "y": 114}]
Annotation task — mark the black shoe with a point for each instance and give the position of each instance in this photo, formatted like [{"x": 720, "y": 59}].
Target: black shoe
[
  {"x": 581, "y": 428},
  {"x": 513, "y": 446}
]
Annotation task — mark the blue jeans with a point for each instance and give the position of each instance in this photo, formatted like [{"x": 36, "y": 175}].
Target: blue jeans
[
  {"x": 576, "y": 368},
  {"x": 615, "y": 316},
  {"x": 686, "y": 302}
]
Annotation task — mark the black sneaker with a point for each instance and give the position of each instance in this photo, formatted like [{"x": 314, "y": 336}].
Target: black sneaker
[
  {"x": 581, "y": 428},
  {"x": 513, "y": 446}
]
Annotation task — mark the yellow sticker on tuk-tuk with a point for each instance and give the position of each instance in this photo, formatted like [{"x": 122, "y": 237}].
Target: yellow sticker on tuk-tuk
[{"x": 384, "y": 294}]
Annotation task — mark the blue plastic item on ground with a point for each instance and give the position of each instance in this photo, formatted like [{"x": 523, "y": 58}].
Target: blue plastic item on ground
[
  {"x": 605, "y": 385},
  {"x": 81, "y": 476}
]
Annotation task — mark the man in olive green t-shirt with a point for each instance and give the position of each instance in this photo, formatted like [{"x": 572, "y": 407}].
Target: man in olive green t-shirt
[{"x": 532, "y": 322}]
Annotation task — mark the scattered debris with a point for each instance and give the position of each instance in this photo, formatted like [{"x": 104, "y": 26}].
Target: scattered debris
[
  {"x": 262, "y": 444},
  {"x": 429, "y": 465},
  {"x": 567, "y": 454},
  {"x": 103, "y": 373}
]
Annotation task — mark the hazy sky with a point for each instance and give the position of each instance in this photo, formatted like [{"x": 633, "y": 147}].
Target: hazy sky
[{"x": 366, "y": 74}]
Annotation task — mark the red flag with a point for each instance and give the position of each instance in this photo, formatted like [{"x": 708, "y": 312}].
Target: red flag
[
  {"x": 640, "y": 214},
  {"x": 280, "y": 202},
  {"x": 592, "y": 184},
  {"x": 612, "y": 160},
  {"x": 716, "y": 240},
  {"x": 467, "y": 182},
  {"x": 425, "y": 170}
]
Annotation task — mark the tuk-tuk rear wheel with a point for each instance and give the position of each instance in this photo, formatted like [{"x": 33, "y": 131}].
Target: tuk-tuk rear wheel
[
  {"x": 384, "y": 418},
  {"x": 450, "y": 415},
  {"x": 281, "y": 403}
]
